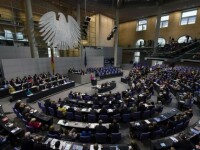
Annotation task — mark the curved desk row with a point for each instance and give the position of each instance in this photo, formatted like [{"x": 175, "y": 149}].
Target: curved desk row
[
  {"x": 66, "y": 145},
  {"x": 47, "y": 92},
  {"x": 6, "y": 124},
  {"x": 164, "y": 143},
  {"x": 165, "y": 116},
  {"x": 80, "y": 125},
  {"x": 4, "y": 92},
  {"x": 107, "y": 88},
  {"x": 56, "y": 85}
]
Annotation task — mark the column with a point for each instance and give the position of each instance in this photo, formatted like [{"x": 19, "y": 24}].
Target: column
[
  {"x": 30, "y": 28},
  {"x": 116, "y": 38},
  {"x": 78, "y": 19},
  {"x": 157, "y": 32},
  {"x": 78, "y": 9}
]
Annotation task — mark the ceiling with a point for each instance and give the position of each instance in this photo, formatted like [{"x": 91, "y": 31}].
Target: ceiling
[{"x": 128, "y": 9}]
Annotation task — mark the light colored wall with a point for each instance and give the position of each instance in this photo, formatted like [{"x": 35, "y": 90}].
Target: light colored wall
[
  {"x": 8, "y": 52},
  {"x": 103, "y": 27},
  {"x": 30, "y": 66},
  {"x": 128, "y": 35}
]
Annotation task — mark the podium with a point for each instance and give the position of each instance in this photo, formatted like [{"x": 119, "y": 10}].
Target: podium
[{"x": 94, "y": 82}]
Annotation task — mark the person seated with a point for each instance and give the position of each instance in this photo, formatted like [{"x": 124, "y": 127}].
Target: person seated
[
  {"x": 62, "y": 109},
  {"x": 133, "y": 146},
  {"x": 54, "y": 106},
  {"x": 3, "y": 139},
  {"x": 93, "y": 111},
  {"x": 115, "y": 110},
  {"x": 189, "y": 113},
  {"x": 47, "y": 103},
  {"x": 11, "y": 88},
  {"x": 125, "y": 109},
  {"x": 18, "y": 80},
  {"x": 27, "y": 117},
  {"x": 70, "y": 109},
  {"x": 105, "y": 101},
  {"x": 183, "y": 144},
  {"x": 197, "y": 146},
  {"x": 17, "y": 104},
  {"x": 26, "y": 110},
  {"x": 100, "y": 128},
  {"x": 27, "y": 142},
  {"x": 114, "y": 127},
  {"x": 153, "y": 126},
  {"x": 95, "y": 101},
  {"x": 21, "y": 107},
  {"x": 38, "y": 144},
  {"x": 57, "y": 145},
  {"x": 103, "y": 111},
  {"x": 78, "y": 112},
  {"x": 69, "y": 135},
  {"x": 133, "y": 108},
  {"x": 35, "y": 124},
  {"x": 86, "y": 132},
  {"x": 29, "y": 92},
  {"x": 53, "y": 131}
]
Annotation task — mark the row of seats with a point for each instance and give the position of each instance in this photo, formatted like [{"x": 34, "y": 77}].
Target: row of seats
[
  {"x": 92, "y": 118},
  {"x": 159, "y": 133},
  {"x": 100, "y": 138}
]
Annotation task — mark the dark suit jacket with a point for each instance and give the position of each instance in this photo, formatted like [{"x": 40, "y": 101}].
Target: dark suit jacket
[
  {"x": 114, "y": 128},
  {"x": 103, "y": 111},
  {"x": 27, "y": 144},
  {"x": 100, "y": 129}
]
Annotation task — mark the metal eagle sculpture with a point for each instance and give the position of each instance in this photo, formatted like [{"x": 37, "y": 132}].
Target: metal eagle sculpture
[{"x": 60, "y": 33}]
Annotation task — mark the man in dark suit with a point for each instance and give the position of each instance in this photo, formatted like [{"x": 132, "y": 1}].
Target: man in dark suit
[
  {"x": 100, "y": 128},
  {"x": 95, "y": 101},
  {"x": 93, "y": 111},
  {"x": 47, "y": 103},
  {"x": 70, "y": 109},
  {"x": 103, "y": 111},
  {"x": 183, "y": 144},
  {"x": 115, "y": 111},
  {"x": 27, "y": 142},
  {"x": 114, "y": 127}
]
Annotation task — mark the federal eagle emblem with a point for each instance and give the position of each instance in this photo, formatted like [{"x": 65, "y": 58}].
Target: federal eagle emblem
[{"x": 59, "y": 32}]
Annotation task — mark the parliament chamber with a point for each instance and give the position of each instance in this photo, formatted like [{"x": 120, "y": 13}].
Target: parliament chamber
[{"x": 99, "y": 75}]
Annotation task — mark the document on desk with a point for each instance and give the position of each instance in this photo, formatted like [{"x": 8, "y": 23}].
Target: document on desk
[
  {"x": 67, "y": 146},
  {"x": 194, "y": 131},
  {"x": 77, "y": 147},
  {"x": 137, "y": 123},
  {"x": 173, "y": 139},
  {"x": 114, "y": 148},
  {"x": 84, "y": 109},
  {"x": 62, "y": 144},
  {"x": 157, "y": 119},
  {"x": 147, "y": 121},
  {"x": 110, "y": 110},
  {"x": 162, "y": 144},
  {"x": 61, "y": 122},
  {"x": 48, "y": 140},
  {"x": 92, "y": 147},
  {"x": 92, "y": 125},
  {"x": 15, "y": 129}
]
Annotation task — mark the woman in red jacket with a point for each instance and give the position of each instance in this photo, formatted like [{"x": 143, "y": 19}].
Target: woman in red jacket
[{"x": 35, "y": 124}]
